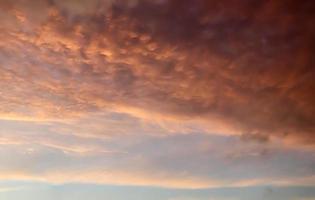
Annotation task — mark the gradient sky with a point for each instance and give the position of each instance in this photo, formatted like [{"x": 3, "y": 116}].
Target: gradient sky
[{"x": 157, "y": 100}]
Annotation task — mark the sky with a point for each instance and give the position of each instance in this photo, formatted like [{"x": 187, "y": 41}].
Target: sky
[{"x": 157, "y": 100}]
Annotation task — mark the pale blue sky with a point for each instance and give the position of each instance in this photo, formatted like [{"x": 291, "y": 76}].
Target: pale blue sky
[{"x": 40, "y": 191}]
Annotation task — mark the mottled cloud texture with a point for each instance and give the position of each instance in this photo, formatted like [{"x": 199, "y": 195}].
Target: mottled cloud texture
[
  {"x": 248, "y": 65},
  {"x": 124, "y": 92}
]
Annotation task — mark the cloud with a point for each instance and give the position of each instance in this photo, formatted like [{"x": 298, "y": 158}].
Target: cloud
[
  {"x": 182, "y": 94},
  {"x": 247, "y": 65},
  {"x": 255, "y": 137},
  {"x": 58, "y": 152}
]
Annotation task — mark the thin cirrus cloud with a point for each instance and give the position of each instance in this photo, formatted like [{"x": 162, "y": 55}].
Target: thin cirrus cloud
[
  {"x": 168, "y": 93},
  {"x": 51, "y": 153}
]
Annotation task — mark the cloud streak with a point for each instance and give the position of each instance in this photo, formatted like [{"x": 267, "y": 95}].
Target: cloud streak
[{"x": 55, "y": 154}]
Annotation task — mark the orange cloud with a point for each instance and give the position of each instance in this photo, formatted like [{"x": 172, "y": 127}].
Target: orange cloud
[{"x": 248, "y": 65}]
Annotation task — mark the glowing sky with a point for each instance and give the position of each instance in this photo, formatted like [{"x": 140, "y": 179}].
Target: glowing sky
[{"x": 157, "y": 99}]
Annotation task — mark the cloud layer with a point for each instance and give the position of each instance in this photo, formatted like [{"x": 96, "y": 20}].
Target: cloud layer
[
  {"x": 247, "y": 65},
  {"x": 168, "y": 93},
  {"x": 62, "y": 153}
]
